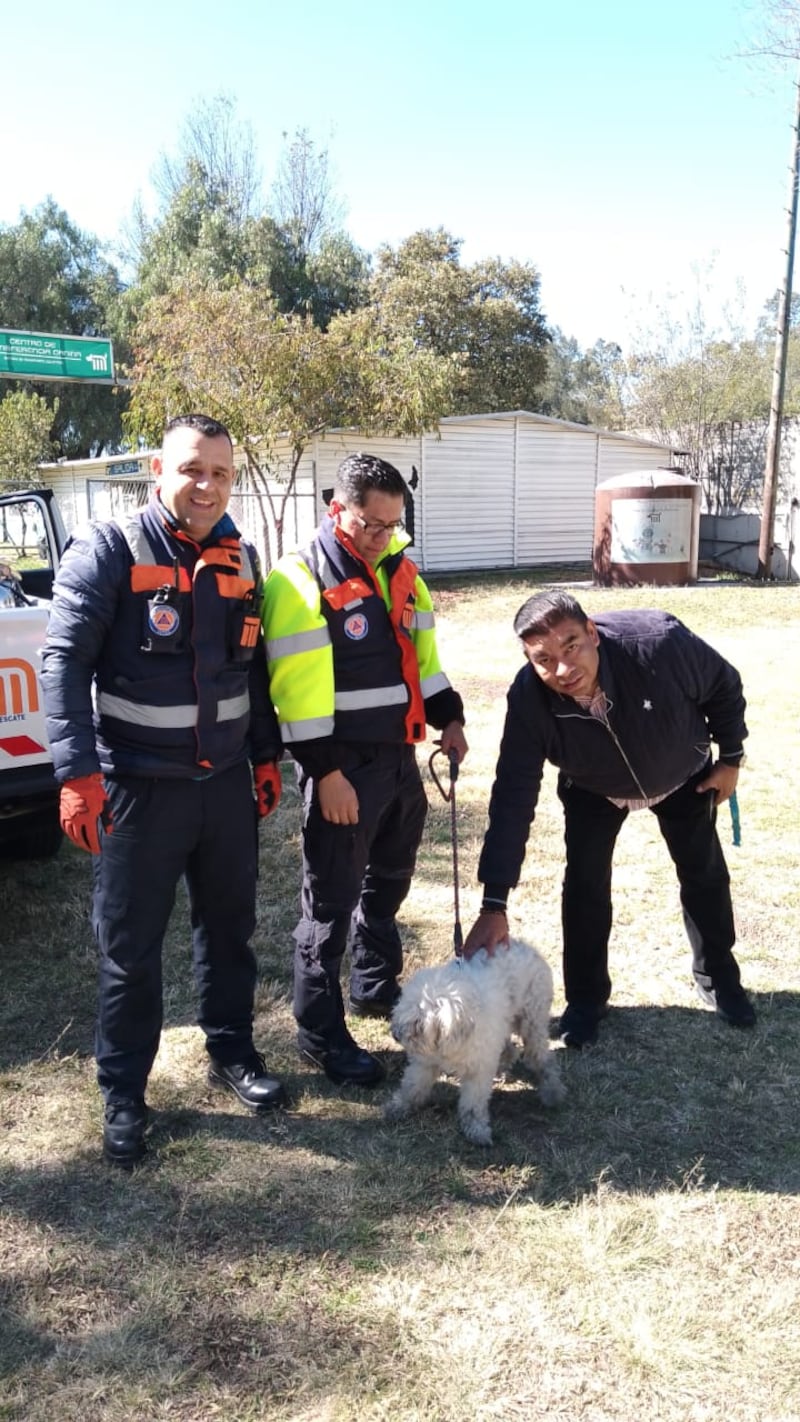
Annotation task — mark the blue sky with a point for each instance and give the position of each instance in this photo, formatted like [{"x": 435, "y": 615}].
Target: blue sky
[{"x": 622, "y": 147}]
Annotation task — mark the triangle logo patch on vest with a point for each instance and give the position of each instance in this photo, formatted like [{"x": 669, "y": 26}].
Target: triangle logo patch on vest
[{"x": 356, "y": 626}]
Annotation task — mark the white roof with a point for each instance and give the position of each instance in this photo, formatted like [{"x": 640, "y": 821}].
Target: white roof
[{"x": 505, "y": 415}]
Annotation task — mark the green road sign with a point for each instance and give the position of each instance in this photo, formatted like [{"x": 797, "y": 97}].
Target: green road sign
[{"x": 32, "y": 355}]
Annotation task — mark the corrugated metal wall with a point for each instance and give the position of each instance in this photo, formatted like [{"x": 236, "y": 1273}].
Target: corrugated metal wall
[
  {"x": 405, "y": 454},
  {"x": 555, "y": 494},
  {"x": 625, "y": 456},
  {"x": 499, "y": 491},
  {"x": 468, "y": 496},
  {"x": 517, "y": 490}
]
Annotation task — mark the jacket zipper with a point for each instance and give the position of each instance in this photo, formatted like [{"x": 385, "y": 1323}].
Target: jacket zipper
[{"x": 606, "y": 723}]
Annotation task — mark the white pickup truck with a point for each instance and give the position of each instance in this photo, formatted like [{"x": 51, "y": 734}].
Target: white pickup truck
[{"x": 32, "y": 538}]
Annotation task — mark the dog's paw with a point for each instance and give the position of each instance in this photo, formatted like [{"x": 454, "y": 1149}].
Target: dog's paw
[
  {"x": 478, "y": 1132},
  {"x": 395, "y": 1109},
  {"x": 509, "y": 1058},
  {"x": 552, "y": 1091}
]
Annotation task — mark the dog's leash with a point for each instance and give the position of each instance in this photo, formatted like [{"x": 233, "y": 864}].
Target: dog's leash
[
  {"x": 450, "y": 794},
  {"x": 736, "y": 824}
]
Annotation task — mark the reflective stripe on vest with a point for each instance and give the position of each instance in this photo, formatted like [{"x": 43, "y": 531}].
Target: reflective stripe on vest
[
  {"x": 296, "y": 642},
  {"x": 423, "y": 622},
  {"x": 327, "y": 574},
  {"x": 306, "y": 730},
  {"x": 370, "y": 697},
  {"x": 432, "y": 684},
  {"x": 168, "y": 718}
]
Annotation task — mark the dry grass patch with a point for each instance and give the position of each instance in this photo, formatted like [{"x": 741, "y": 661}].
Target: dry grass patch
[{"x": 632, "y": 1254}]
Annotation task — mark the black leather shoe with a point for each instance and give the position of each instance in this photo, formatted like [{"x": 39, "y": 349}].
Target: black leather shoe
[
  {"x": 250, "y": 1081},
  {"x": 348, "y": 1065},
  {"x": 123, "y": 1133},
  {"x": 373, "y": 1007},
  {"x": 731, "y": 1004},
  {"x": 579, "y": 1025}
]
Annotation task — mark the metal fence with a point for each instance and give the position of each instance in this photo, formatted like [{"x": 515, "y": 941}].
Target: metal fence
[{"x": 81, "y": 498}]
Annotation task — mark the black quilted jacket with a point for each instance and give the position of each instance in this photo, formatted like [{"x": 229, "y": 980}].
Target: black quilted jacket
[{"x": 669, "y": 694}]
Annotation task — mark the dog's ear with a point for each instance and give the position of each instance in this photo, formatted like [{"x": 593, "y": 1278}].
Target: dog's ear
[
  {"x": 453, "y": 1019},
  {"x": 420, "y": 1030},
  {"x": 431, "y": 1024}
]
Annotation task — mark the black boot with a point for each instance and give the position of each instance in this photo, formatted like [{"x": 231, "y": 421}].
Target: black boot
[
  {"x": 731, "y": 1004},
  {"x": 579, "y": 1024},
  {"x": 123, "y": 1132},
  {"x": 250, "y": 1081},
  {"x": 344, "y": 1062}
]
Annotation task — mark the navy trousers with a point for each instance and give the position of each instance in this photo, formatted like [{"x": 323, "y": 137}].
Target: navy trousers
[
  {"x": 355, "y": 877},
  {"x": 687, "y": 822},
  {"x": 163, "y": 829}
]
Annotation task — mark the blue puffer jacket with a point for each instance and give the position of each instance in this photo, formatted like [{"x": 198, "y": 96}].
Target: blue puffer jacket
[
  {"x": 154, "y": 662},
  {"x": 669, "y": 694}
]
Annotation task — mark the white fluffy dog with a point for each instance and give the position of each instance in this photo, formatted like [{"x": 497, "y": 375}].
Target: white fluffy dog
[{"x": 458, "y": 1019}]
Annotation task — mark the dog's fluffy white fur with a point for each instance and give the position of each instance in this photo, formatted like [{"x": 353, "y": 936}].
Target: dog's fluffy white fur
[{"x": 458, "y": 1019}]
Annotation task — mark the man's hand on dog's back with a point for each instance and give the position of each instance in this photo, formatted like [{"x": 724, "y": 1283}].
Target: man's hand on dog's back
[{"x": 489, "y": 931}]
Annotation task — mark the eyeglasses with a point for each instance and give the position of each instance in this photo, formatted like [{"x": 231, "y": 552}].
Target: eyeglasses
[{"x": 374, "y": 527}]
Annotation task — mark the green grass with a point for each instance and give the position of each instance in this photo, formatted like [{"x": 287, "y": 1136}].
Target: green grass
[{"x": 632, "y": 1255}]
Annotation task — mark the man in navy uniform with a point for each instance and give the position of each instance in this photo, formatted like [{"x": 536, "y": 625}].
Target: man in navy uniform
[{"x": 166, "y": 745}]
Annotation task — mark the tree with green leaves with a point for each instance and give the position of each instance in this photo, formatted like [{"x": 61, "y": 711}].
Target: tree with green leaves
[
  {"x": 304, "y": 200},
  {"x": 712, "y": 404},
  {"x": 55, "y": 279},
  {"x": 25, "y": 441},
  {"x": 487, "y": 316},
  {"x": 197, "y": 234},
  {"x": 274, "y": 378},
  {"x": 585, "y": 386},
  {"x": 214, "y": 225},
  {"x": 215, "y": 142}
]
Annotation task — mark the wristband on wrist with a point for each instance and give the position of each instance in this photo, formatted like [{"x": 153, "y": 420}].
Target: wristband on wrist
[{"x": 493, "y": 906}]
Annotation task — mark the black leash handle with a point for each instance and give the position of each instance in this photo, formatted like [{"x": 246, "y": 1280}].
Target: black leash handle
[{"x": 450, "y": 794}]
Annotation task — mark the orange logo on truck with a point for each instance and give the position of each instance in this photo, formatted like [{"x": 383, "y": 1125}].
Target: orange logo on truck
[{"x": 19, "y": 693}]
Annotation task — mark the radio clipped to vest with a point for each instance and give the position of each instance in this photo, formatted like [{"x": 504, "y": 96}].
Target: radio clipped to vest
[
  {"x": 244, "y": 625},
  {"x": 163, "y": 632}
]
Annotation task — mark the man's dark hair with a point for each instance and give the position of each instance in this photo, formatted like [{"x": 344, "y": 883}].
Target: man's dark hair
[
  {"x": 358, "y": 474},
  {"x": 544, "y": 610},
  {"x": 204, "y": 423}
]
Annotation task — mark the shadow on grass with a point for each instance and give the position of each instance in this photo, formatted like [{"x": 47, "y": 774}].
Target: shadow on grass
[
  {"x": 48, "y": 1000},
  {"x": 49, "y": 961},
  {"x": 665, "y": 1091},
  {"x": 670, "y": 1099}
]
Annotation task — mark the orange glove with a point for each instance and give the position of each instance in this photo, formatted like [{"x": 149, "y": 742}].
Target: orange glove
[
  {"x": 83, "y": 803},
  {"x": 268, "y": 784}
]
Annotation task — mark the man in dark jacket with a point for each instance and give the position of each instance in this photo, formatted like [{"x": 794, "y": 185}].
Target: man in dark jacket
[
  {"x": 626, "y": 706},
  {"x": 166, "y": 745},
  {"x": 355, "y": 676}
]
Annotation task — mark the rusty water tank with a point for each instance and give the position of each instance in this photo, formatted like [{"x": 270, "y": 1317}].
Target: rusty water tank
[{"x": 646, "y": 529}]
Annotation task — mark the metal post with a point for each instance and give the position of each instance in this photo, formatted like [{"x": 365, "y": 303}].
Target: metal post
[{"x": 779, "y": 371}]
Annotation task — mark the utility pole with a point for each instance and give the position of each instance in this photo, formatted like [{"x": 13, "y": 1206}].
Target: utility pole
[{"x": 779, "y": 370}]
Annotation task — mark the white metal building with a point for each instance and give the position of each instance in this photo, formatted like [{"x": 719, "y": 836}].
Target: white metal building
[
  {"x": 491, "y": 491},
  {"x": 500, "y": 491}
]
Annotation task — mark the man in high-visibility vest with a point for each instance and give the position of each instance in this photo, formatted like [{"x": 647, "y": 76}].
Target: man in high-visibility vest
[{"x": 355, "y": 676}]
